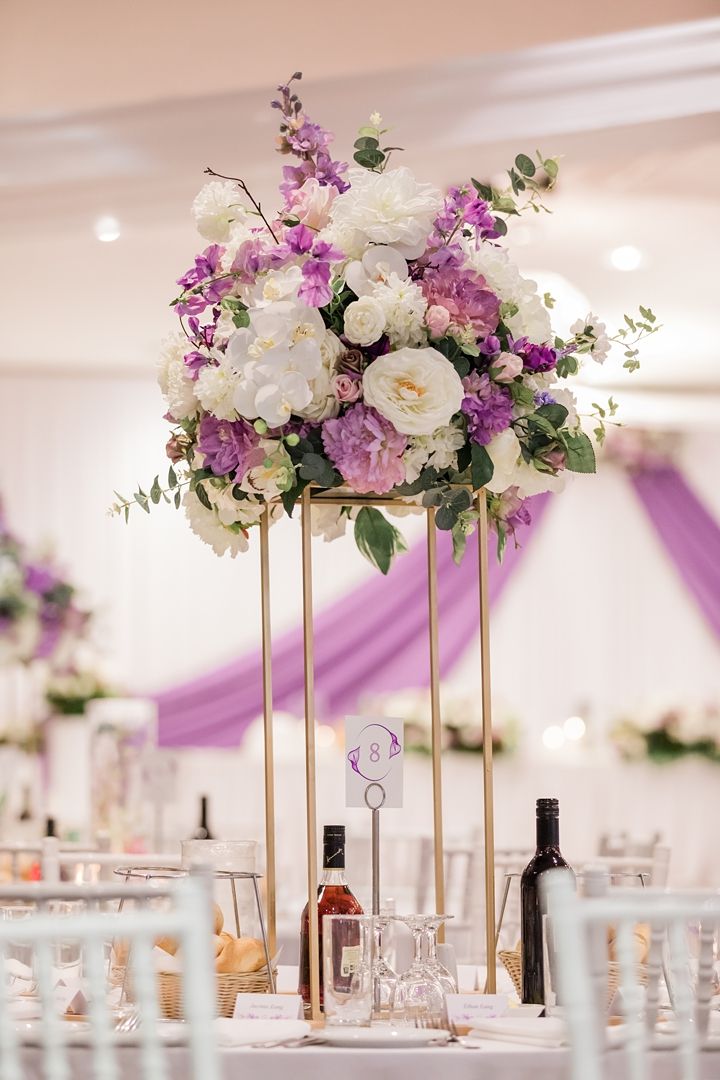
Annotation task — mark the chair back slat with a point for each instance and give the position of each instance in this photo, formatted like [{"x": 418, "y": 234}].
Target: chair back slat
[
  {"x": 145, "y": 992},
  {"x": 9, "y": 1060},
  {"x": 104, "y": 1061}
]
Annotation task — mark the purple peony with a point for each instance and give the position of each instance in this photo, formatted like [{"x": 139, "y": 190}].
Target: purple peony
[
  {"x": 228, "y": 445},
  {"x": 465, "y": 296},
  {"x": 366, "y": 449},
  {"x": 487, "y": 407}
]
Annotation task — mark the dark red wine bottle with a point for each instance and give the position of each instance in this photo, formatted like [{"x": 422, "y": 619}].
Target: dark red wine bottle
[
  {"x": 547, "y": 857},
  {"x": 334, "y": 898},
  {"x": 203, "y": 830}
]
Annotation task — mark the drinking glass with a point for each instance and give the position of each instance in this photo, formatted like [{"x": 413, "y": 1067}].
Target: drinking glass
[
  {"x": 18, "y": 954},
  {"x": 347, "y": 969},
  {"x": 419, "y": 994},
  {"x": 66, "y": 952},
  {"x": 384, "y": 979},
  {"x": 433, "y": 963}
]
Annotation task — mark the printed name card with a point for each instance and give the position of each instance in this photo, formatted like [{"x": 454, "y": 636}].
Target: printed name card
[
  {"x": 268, "y": 1007},
  {"x": 465, "y": 1010},
  {"x": 374, "y": 754}
]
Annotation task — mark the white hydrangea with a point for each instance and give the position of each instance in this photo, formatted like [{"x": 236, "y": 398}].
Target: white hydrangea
[
  {"x": 216, "y": 207},
  {"x": 216, "y": 385},
  {"x": 503, "y": 277},
  {"x": 593, "y": 332},
  {"x": 174, "y": 380},
  {"x": 404, "y": 307},
  {"x": 438, "y": 451},
  {"x": 207, "y": 525}
]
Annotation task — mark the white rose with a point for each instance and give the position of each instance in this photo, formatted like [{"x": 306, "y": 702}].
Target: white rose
[
  {"x": 389, "y": 208},
  {"x": 504, "y": 451},
  {"x": 364, "y": 321},
  {"x": 417, "y": 390},
  {"x": 217, "y": 205}
]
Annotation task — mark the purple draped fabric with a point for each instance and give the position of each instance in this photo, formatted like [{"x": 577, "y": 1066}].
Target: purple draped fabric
[
  {"x": 690, "y": 534},
  {"x": 374, "y": 639}
]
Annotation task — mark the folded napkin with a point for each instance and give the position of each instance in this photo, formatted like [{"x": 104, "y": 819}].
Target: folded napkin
[
  {"x": 547, "y": 1031},
  {"x": 245, "y": 1032}
]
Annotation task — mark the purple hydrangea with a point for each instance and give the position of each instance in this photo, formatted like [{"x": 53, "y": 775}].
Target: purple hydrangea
[
  {"x": 464, "y": 294},
  {"x": 487, "y": 407},
  {"x": 366, "y": 449},
  {"x": 228, "y": 445}
]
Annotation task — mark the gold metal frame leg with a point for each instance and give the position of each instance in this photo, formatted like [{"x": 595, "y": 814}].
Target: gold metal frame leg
[
  {"x": 436, "y": 730},
  {"x": 489, "y": 816},
  {"x": 270, "y": 875},
  {"x": 310, "y": 785}
]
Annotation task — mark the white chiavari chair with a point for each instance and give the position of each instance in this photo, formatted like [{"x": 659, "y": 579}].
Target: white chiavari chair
[
  {"x": 579, "y": 923},
  {"x": 83, "y": 865},
  {"x": 186, "y": 917}
]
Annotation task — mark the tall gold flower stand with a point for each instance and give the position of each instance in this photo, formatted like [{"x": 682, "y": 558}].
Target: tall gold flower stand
[{"x": 340, "y": 497}]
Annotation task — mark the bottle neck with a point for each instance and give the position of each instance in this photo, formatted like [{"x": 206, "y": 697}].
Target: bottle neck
[
  {"x": 203, "y": 812},
  {"x": 548, "y": 832},
  {"x": 333, "y": 876}
]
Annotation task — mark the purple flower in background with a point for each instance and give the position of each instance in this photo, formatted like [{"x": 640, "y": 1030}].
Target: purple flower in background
[
  {"x": 315, "y": 290},
  {"x": 487, "y": 407},
  {"x": 537, "y": 357},
  {"x": 228, "y": 445},
  {"x": 40, "y": 579},
  {"x": 366, "y": 449}
]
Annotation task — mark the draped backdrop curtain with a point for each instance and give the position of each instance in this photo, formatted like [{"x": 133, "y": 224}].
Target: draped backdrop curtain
[{"x": 375, "y": 638}]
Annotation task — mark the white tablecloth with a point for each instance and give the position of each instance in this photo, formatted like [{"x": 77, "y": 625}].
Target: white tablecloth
[{"x": 493, "y": 1061}]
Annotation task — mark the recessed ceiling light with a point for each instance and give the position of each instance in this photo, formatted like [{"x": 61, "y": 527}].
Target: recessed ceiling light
[
  {"x": 626, "y": 257},
  {"x": 106, "y": 228}
]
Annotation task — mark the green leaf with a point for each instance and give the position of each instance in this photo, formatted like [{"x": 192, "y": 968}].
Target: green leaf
[
  {"x": 290, "y": 498},
  {"x": 483, "y": 190},
  {"x": 579, "y": 453},
  {"x": 142, "y": 500},
  {"x": 556, "y": 414},
  {"x": 541, "y": 423},
  {"x": 459, "y": 543},
  {"x": 377, "y": 539},
  {"x": 156, "y": 490},
  {"x": 241, "y": 318},
  {"x": 366, "y": 142},
  {"x": 203, "y": 496},
  {"x": 551, "y": 168},
  {"x": 172, "y": 478},
  {"x": 500, "y": 227},
  {"x": 425, "y": 480},
  {"x": 525, "y": 165},
  {"x": 315, "y": 468},
  {"x": 126, "y": 511},
  {"x": 367, "y": 131},
  {"x": 517, "y": 183},
  {"x": 369, "y": 159},
  {"x": 481, "y": 466},
  {"x": 454, "y": 503},
  {"x": 629, "y": 322},
  {"x": 521, "y": 395},
  {"x": 178, "y": 497}
]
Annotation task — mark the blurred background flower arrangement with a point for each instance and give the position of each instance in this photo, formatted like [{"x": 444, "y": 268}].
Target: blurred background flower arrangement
[{"x": 671, "y": 734}]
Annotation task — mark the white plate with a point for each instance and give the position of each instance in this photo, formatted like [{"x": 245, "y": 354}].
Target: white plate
[{"x": 382, "y": 1037}]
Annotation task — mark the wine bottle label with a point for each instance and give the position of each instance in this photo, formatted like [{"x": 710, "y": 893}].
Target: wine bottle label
[{"x": 350, "y": 960}]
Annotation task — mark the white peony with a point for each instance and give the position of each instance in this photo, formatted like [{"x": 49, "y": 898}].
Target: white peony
[
  {"x": 389, "y": 208},
  {"x": 215, "y": 387},
  {"x": 217, "y": 205},
  {"x": 502, "y": 276},
  {"x": 567, "y": 398},
  {"x": 593, "y": 332},
  {"x": 324, "y": 404},
  {"x": 377, "y": 264},
  {"x": 174, "y": 380},
  {"x": 207, "y": 525},
  {"x": 350, "y": 241},
  {"x": 364, "y": 321},
  {"x": 404, "y": 307},
  {"x": 417, "y": 390},
  {"x": 438, "y": 450},
  {"x": 274, "y": 475}
]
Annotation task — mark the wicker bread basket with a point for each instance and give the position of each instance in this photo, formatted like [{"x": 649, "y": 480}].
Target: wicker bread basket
[
  {"x": 512, "y": 962},
  {"x": 228, "y": 988}
]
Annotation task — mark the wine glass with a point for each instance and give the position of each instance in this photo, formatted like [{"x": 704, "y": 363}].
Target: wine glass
[
  {"x": 433, "y": 963},
  {"x": 384, "y": 979},
  {"x": 419, "y": 995}
]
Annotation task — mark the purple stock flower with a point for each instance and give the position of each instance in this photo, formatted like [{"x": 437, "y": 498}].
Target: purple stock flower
[
  {"x": 537, "y": 357},
  {"x": 366, "y": 449},
  {"x": 228, "y": 445},
  {"x": 487, "y": 407},
  {"x": 309, "y": 138},
  {"x": 315, "y": 290}
]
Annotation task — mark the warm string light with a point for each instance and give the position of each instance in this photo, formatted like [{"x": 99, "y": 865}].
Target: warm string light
[{"x": 555, "y": 736}]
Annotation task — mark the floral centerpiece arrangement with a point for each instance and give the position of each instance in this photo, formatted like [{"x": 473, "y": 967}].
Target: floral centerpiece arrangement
[
  {"x": 672, "y": 734},
  {"x": 39, "y": 615},
  {"x": 68, "y": 692},
  {"x": 462, "y": 721},
  {"x": 372, "y": 334}
]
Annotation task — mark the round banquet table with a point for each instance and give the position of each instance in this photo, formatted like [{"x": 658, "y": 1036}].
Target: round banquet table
[{"x": 492, "y": 1061}]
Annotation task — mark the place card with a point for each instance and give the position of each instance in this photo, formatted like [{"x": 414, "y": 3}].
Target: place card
[
  {"x": 374, "y": 761},
  {"x": 268, "y": 1007},
  {"x": 465, "y": 1010}
]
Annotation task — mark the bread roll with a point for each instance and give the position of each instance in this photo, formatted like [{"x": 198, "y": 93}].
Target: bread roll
[
  {"x": 218, "y": 944},
  {"x": 168, "y": 944},
  {"x": 240, "y": 956},
  {"x": 641, "y": 942},
  {"x": 120, "y": 953},
  {"x": 218, "y": 919}
]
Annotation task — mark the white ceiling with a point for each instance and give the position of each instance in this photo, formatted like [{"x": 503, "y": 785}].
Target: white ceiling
[{"x": 634, "y": 114}]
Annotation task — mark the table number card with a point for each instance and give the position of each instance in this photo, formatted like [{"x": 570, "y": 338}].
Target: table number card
[
  {"x": 465, "y": 1010},
  {"x": 268, "y": 1007},
  {"x": 374, "y": 754}
]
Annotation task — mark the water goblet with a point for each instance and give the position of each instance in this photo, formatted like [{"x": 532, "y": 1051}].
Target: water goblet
[
  {"x": 419, "y": 996},
  {"x": 433, "y": 963},
  {"x": 384, "y": 978}
]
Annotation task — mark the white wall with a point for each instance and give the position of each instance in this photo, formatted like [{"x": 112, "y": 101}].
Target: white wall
[{"x": 595, "y": 618}]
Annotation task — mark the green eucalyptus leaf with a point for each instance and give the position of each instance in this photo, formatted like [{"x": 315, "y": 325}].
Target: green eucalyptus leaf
[
  {"x": 525, "y": 165},
  {"x": 377, "y": 539},
  {"x": 172, "y": 478}
]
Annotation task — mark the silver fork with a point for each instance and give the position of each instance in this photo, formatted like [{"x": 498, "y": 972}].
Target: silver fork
[{"x": 294, "y": 1043}]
